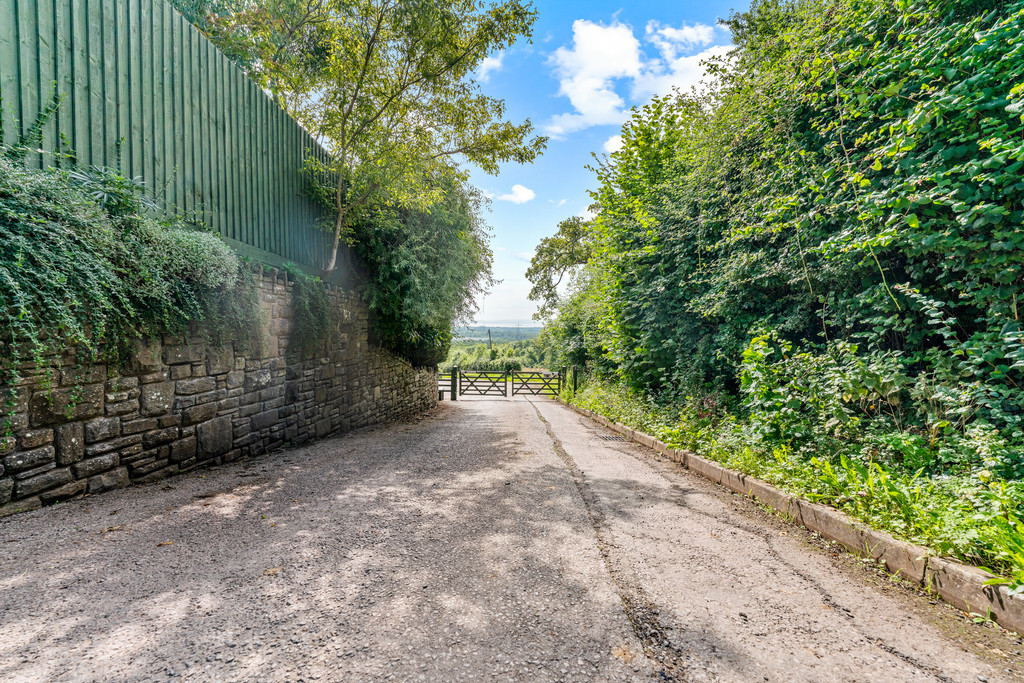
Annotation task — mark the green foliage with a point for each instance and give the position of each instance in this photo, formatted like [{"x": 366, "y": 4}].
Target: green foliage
[
  {"x": 55, "y": 278},
  {"x": 312, "y": 313},
  {"x": 29, "y": 140},
  {"x": 555, "y": 258},
  {"x": 425, "y": 270},
  {"x": 851, "y": 184},
  {"x": 1007, "y": 534},
  {"x": 388, "y": 86},
  {"x": 75, "y": 275},
  {"x": 517, "y": 355},
  {"x": 797, "y": 197},
  {"x": 971, "y": 517},
  {"x": 473, "y": 333},
  {"x": 828, "y": 241},
  {"x": 398, "y": 102},
  {"x": 115, "y": 193}
]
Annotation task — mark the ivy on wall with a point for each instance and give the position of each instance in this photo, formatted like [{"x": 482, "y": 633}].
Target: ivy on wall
[{"x": 83, "y": 265}]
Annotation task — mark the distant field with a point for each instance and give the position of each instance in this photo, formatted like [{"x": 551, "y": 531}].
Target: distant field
[{"x": 498, "y": 334}]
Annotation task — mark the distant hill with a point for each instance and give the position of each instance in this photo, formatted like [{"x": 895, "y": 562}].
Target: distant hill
[{"x": 498, "y": 334}]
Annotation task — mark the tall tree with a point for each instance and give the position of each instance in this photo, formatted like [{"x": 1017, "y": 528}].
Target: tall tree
[
  {"x": 556, "y": 257},
  {"x": 386, "y": 86},
  {"x": 396, "y": 104}
]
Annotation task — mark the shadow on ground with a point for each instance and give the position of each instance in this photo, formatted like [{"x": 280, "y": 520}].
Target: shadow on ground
[{"x": 452, "y": 546}]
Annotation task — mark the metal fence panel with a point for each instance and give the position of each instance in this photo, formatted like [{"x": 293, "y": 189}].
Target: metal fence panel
[{"x": 144, "y": 92}]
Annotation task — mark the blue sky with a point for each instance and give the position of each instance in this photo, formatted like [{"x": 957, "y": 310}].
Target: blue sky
[{"x": 588, "y": 64}]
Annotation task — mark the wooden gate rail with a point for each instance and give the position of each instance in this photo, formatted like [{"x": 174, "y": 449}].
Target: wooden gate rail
[
  {"x": 536, "y": 383},
  {"x": 444, "y": 383},
  {"x": 483, "y": 383},
  {"x": 497, "y": 383}
]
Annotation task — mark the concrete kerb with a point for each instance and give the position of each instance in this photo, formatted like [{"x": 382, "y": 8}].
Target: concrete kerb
[{"x": 958, "y": 584}]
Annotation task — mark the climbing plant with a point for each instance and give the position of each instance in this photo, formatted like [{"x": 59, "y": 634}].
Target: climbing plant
[
  {"x": 312, "y": 312},
  {"x": 84, "y": 267}
]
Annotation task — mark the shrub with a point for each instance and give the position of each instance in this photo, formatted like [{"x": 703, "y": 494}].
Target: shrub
[
  {"x": 89, "y": 269},
  {"x": 425, "y": 270}
]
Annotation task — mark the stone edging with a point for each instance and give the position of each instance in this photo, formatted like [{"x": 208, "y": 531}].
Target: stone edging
[{"x": 958, "y": 584}]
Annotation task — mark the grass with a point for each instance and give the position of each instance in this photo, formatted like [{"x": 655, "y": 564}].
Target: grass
[{"x": 973, "y": 518}]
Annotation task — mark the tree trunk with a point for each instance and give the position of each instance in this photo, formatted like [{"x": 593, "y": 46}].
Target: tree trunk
[
  {"x": 333, "y": 260},
  {"x": 339, "y": 222}
]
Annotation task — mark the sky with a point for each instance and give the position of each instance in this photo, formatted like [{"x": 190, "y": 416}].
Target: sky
[{"x": 588, "y": 64}]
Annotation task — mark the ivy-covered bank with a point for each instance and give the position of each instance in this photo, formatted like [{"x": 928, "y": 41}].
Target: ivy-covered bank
[
  {"x": 83, "y": 266},
  {"x": 136, "y": 348},
  {"x": 814, "y": 270}
]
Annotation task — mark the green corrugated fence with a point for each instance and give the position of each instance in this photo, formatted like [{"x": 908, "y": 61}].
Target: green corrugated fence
[{"x": 145, "y": 92}]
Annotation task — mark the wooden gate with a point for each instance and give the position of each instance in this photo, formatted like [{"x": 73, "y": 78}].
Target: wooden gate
[
  {"x": 536, "y": 383},
  {"x": 445, "y": 383},
  {"x": 483, "y": 383}
]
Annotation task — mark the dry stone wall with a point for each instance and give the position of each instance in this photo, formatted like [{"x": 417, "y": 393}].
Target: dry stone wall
[{"x": 177, "y": 404}]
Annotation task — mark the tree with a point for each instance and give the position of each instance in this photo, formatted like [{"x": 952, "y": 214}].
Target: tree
[
  {"x": 385, "y": 85},
  {"x": 556, "y": 257},
  {"x": 426, "y": 270},
  {"x": 396, "y": 105}
]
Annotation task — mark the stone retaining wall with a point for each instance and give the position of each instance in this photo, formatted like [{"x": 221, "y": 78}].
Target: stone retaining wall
[{"x": 178, "y": 403}]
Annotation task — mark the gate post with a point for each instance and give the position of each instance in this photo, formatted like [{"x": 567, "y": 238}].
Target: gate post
[
  {"x": 507, "y": 372},
  {"x": 575, "y": 378},
  {"x": 561, "y": 379},
  {"x": 455, "y": 384}
]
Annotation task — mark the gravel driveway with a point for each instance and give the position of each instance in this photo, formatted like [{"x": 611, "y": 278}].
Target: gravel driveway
[{"x": 490, "y": 540}]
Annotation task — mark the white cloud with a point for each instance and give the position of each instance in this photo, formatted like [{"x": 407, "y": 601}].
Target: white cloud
[
  {"x": 507, "y": 301},
  {"x": 518, "y": 195},
  {"x": 612, "y": 144},
  {"x": 670, "y": 40},
  {"x": 599, "y": 54},
  {"x": 526, "y": 256},
  {"x": 483, "y": 73},
  {"x": 683, "y": 73},
  {"x": 560, "y": 202},
  {"x": 587, "y": 214},
  {"x": 602, "y": 58}
]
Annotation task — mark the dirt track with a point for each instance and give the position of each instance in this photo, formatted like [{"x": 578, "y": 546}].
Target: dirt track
[{"x": 494, "y": 539}]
